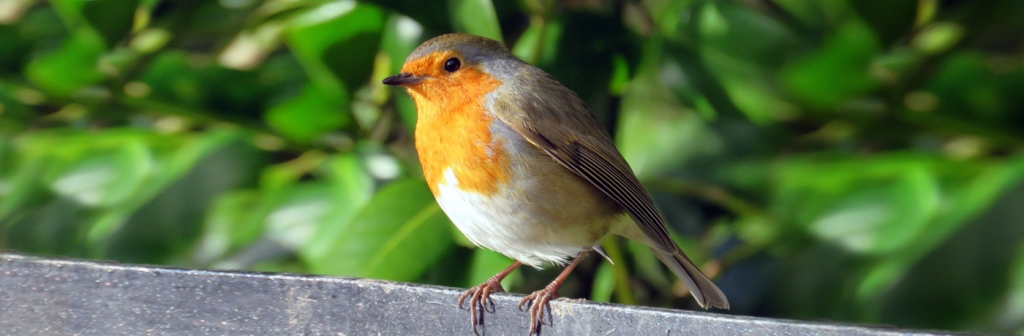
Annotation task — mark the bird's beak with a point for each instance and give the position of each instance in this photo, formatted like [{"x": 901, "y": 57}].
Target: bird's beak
[{"x": 402, "y": 79}]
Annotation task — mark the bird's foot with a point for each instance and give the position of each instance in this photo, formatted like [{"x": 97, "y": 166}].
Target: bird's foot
[
  {"x": 538, "y": 304},
  {"x": 480, "y": 300}
]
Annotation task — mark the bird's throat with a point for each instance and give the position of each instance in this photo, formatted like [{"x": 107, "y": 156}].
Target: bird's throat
[{"x": 455, "y": 134}]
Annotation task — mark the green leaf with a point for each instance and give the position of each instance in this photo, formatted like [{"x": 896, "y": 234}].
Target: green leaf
[
  {"x": 302, "y": 209},
  {"x": 229, "y": 224},
  {"x": 351, "y": 187},
  {"x": 109, "y": 174},
  {"x": 103, "y": 178},
  {"x": 73, "y": 66},
  {"x": 879, "y": 217},
  {"x": 938, "y": 37},
  {"x": 476, "y": 17},
  {"x": 309, "y": 115},
  {"x": 656, "y": 132},
  {"x": 896, "y": 202},
  {"x": 336, "y": 43},
  {"x": 737, "y": 63},
  {"x": 169, "y": 166},
  {"x": 837, "y": 72},
  {"x": 978, "y": 99},
  {"x": 111, "y": 19},
  {"x": 539, "y": 42},
  {"x": 684, "y": 70},
  {"x": 397, "y": 236},
  {"x": 167, "y": 226},
  {"x": 171, "y": 78}
]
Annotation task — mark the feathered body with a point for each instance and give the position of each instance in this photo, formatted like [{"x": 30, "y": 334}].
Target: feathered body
[{"x": 521, "y": 166}]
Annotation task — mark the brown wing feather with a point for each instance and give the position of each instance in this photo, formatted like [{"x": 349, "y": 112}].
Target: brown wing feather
[{"x": 573, "y": 137}]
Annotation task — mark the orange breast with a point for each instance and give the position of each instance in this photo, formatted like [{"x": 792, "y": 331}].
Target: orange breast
[{"x": 453, "y": 132}]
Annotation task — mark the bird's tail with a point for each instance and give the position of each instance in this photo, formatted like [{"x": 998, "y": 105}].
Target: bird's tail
[{"x": 704, "y": 291}]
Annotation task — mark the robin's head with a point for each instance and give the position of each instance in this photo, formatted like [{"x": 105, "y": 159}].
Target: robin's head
[{"x": 448, "y": 65}]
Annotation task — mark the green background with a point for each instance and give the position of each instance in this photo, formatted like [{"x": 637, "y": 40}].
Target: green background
[{"x": 853, "y": 161}]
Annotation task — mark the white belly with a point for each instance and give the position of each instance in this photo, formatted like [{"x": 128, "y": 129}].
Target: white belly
[{"x": 524, "y": 223}]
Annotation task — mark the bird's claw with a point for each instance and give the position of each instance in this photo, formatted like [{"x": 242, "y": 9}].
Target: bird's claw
[
  {"x": 480, "y": 299},
  {"x": 538, "y": 303}
]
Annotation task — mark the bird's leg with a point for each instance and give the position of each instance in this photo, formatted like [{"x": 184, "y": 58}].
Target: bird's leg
[
  {"x": 538, "y": 301},
  {"x": 480, "y": 296}
]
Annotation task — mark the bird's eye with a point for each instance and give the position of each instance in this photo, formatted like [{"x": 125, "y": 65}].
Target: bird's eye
[{"x": 452, "y": 64}]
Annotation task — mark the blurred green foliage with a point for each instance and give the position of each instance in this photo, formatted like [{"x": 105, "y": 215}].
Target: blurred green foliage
[{"x": 849, "y": 160}]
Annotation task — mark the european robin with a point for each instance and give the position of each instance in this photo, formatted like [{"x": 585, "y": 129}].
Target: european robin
[{"x": 522, "y": 167}]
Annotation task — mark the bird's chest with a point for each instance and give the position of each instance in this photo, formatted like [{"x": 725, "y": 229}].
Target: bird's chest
[{"x": 461, "y": 141}]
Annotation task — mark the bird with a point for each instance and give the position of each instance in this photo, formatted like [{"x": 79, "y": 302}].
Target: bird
[{"x": 522, "y": 167}]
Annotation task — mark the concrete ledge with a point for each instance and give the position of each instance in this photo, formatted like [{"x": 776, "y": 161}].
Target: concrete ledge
[{"x": 40, "y": 296}]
